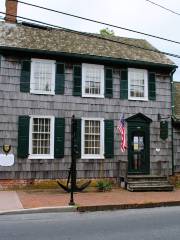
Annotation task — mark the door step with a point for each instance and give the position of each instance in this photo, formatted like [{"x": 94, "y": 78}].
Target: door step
[{"x": 147, "y": 183}]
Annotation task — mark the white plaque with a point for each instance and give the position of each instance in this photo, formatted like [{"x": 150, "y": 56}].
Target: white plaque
[{"x": 6, "y": 160}]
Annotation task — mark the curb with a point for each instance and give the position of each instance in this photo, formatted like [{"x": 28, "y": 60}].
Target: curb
[
  {"x": 41, "y": 210},
  {"x": 94, "y": 208},
  {"x": 126, "y": 206}
]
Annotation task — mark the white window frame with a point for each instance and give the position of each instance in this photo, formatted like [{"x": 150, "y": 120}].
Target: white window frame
[
  {"x": 92, "y": 156},
  {"x": 32, "y": 90},
  {"x": 145, "y": 72},
  {"x": 42, "y": 156},
  {"x": 84, "y": 69}
]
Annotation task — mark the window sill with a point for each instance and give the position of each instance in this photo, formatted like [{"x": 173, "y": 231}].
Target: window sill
[
  {"x": 43, "y": 93},
  {"x": 40, "y": 157},
  {"x": 92, "y": 96},
  {"x": 92, "y": 157},
  {"x": 138, "y": 99}
]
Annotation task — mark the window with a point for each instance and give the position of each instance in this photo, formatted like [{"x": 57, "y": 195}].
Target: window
[
  {"x": 137, "y": 84},
  {"x": 42, "y": 76},
  {"x": 92, "y": 80},
  {"x": 41, "y": 142},
  {"x": 92, "y": 138}
]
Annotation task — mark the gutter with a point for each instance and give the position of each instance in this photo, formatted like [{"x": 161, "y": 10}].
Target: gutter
[{"x": 172, "y": 112}]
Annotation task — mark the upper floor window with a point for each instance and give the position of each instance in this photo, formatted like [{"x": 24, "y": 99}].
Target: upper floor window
[
  {"x": 41, "y": 142},
  {"x": 92, "y": 138},
  {"x": 137, "y": 84},
  {"x": 42, "y": 80},
  {"x": 92, "y": 80}
]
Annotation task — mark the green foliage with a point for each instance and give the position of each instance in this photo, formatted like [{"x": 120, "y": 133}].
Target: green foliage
[
  {"x": 177, "y": 185},
  {"x": 106, "y": 32},
  {"x": 104, "y": 185}
]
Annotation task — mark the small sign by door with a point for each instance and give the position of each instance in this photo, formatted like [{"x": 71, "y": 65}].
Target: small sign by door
[{"x": 164, "y": 130}]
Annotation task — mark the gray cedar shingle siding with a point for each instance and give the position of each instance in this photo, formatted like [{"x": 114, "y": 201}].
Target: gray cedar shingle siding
[
  {"x": 14, "y": 103},
  {"x": 176, "y": 93},
  {"x": 177, "y": 149},
  {"x": 176, "y": 113},
  {"x": 23, "y": 37}
]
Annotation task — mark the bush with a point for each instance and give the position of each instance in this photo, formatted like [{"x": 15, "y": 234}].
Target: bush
[{"x": 104, "y": 185}]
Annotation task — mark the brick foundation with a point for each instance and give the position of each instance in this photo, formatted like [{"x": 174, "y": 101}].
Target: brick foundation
[{"x": 10, "y": 184}]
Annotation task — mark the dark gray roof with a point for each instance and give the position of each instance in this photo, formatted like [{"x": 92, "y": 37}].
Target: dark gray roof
[{"x": 55, "y": 40}]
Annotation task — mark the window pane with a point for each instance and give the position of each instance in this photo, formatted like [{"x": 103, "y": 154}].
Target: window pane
[
  {"x": 93, "y": 79},
  {"x": 137, "y": 91},
  {"x": 137, "y": 83},
  {"x": 42, "y": 74},
  {"x": 92, "y": 137},
  {"x": 41, "y": 136}
]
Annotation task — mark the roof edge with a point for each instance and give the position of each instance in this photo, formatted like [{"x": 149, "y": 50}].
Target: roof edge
[{"x": 90, "y": 57}]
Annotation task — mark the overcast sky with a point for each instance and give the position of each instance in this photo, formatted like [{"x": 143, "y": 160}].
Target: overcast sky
[{"x": 134, "y": 14}]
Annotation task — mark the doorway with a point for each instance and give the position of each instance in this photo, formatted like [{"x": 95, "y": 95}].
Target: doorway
[{"x": 138, "y": 144}]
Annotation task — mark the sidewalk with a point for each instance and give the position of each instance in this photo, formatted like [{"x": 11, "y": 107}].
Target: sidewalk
[
  {"x": 86, "y": 201},
  {"x": 9, "y": 200}
]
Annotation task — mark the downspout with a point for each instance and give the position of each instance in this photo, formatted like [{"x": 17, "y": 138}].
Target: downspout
[{"x": 172, "y": 114}]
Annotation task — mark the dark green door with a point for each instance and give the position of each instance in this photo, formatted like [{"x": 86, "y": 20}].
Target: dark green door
[
  {"x": 138, "y": 144},
  {"x": 138, "y": 148}
]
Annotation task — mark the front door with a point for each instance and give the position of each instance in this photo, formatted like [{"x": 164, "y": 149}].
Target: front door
[
  {"x": 138, "y": 144},
  {"x": 138, "y": 150}
]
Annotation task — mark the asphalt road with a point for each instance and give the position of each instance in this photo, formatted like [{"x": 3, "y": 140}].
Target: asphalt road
[{"x": 141, "y": 224}]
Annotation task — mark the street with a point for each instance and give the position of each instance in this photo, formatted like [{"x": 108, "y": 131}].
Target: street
[{"x": 138, "y": 224}]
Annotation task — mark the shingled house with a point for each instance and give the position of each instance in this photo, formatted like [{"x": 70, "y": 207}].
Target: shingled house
[
  {"x": 176, "y": 127},
  {"x": 47, "y": 75}
]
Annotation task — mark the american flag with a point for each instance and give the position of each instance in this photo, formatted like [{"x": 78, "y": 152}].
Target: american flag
[{"x": 121, "y": 129}]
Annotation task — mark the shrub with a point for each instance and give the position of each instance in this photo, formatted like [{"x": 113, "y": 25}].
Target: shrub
[{"x": 104, "y": 185}]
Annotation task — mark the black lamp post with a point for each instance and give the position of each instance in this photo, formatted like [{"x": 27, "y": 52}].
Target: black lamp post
[
  {"x": 73, "y": 163},
  {"x": 72, "y": 172}
]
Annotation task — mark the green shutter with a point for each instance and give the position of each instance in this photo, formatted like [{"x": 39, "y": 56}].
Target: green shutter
[
  {"x": 59, "y": 137},
  {"x": 124, "y": 84},
  {"x": 152, "y": 86},
  {"x": 60, "y": 76},
  {"x": 108, "y": 82},
  {"x": 77, "y": 80},
  {"x": 109, "y": 138},
  {"x": 78, "y": 137},
  {"x": 23, "y": 137},
  {"x": 25, "y": 76}
]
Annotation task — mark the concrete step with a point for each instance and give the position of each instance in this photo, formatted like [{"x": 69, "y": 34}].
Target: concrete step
[
  {"x": 142, "y": 183},
  {"x": 146, "y": 178},
  {"x": 148, "y": 188},
  {"x": 153, "y": 182}
]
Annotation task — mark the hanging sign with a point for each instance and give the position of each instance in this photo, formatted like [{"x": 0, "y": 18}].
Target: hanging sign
[{"x": 164, "y": 130}]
